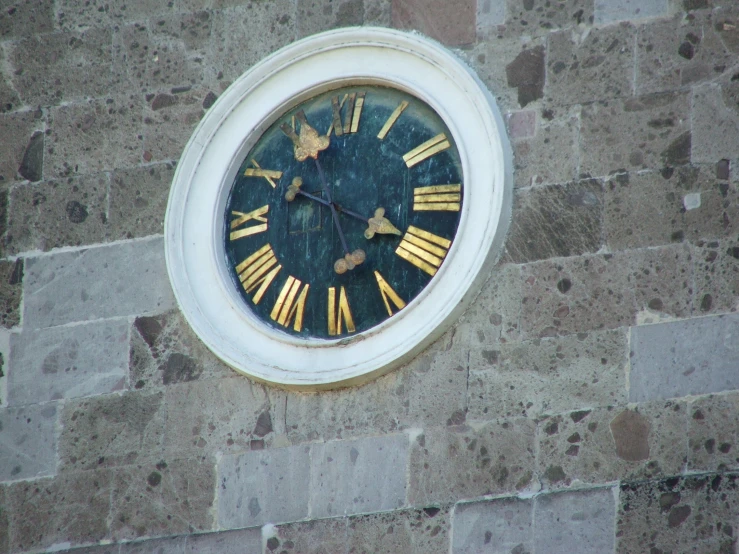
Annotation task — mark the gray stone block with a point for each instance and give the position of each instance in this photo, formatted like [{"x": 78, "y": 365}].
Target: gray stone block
[
  {"x": 695, "y": 356},
  {"x": 119, "y": 280},
  {"x": 53, "y": 214},
  {"x": 68, "y": 362},
  {"x": 11, "y": 290},
  {"x": 490, "y": 14},
  {"x": 536, "y": 233},
  {"x": 169, "y": 124},
  {"x": 18, "y": 130},
  {"x": 311, "y": 537},
  {"x": 28, "y": 441},
  {"x": 713, "y": 431},
  {"x": 265, "y": 486},
  {"x": 540, "y": 17},
  {"x": 500, "y": 526},
  {"x": 315, "y": 16},
  {"x": 26, "y": 19},
  {"x": 465, "y": 461},
  {"x": 679, "y": 514},
  {"x": 592, "y": 64},
  {"x": 423, "y": 531},
  {"x": 579, "y": 522},
  {"x": 360, "y": 476},
  {"x": 610, "y": 11},
  {"x": 716, "y": 273},
  {"x": 715, "y": 122},
  {"x": 170, "y": 545},
  {"x": 551, "y": 375},
  {"x": 242, "y": 541}
]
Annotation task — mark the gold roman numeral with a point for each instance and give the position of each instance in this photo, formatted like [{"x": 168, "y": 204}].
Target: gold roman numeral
[
  {"x": 423, "y": 249},
  {"x": 259, "y": 269},
  {"x": 341, "y": 315},
  {"x": 437, "y": 198},
  {"x": 391, "y": 120},
  {"x": 242, "y": 218},
  {"x": 426, "y": 150},
  {"x": 354, "y": 103},
  {"x": 268, "y": 174},
  {"x": 288, "y": 308},
  {"x": 388, "y": 294}
]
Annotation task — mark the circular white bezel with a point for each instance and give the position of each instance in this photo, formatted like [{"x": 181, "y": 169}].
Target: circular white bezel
[{"x": 194, "y": 221}]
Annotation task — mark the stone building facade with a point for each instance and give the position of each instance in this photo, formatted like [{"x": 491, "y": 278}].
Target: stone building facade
[{"x": 587, "y": 402}]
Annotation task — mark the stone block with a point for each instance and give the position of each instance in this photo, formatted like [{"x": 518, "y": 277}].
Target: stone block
[
  {"x": 376, "y": 407},
  {"x": 11, "y": 290},
  {"x": 590, "y": 64},
  {"x": 110, "y": 281},
  {"x": 680, "y": 358},
  {"x": 62, "y": 66},
  {"x": 716, "y": 276},
  {"x": 163, "y": 52},
  {"x": 21, "y": 132},
  {"x": 466, "y": 461},
  {"x": 540, "y": 17},
  {"x": 243, "y": 35},
  {"x": 138, "y": 200},
  {"x": 610, "y": 11},
  {"x": 423, "y": 531},
  {"x": 26, "y": 17},
  {"x": 265, "y": 486},
  {"x": 28, "y": 441},
  {"x": 378, "y": 13},
  {"x": 556, "y": 221},
  {"x": 69, "y": 510},
  {"x": 679, "y": 514},
  {"x": 223, "y": 415},
  {"x": 551, "y": 154},
  {"x": 649, "y": 208},
  {"x": 491, "y": 58},
  {"x": 168, "y": 498},
  {"x": 575, "y": 522},
  {"x": 112, "y": 430},
  {"x": 71, "y": 15},
  {"x": 499, "y": 526},
  {"x": 168, "y": 123},
  {"x": 658, "y": 127},
  {"x": 606, "y": 444},
  {"x": 4, "y": 515},
  {"x": 360, "y": 476},
  {"x": 9, "y": 99},
  {"x": 57, "y": 213},
  {"x": 575, "y": 295},
  {"x": 102, "y": 549},
  {"x": 680, "y": 52},
  {"x": 713, "y": 432},
  {"x": 225, "y": 542},
  {"x": 551, "y": 375},
  {"x": 310, "y": 537},
  {"x": 715, "y": 122},
  {"x": 166, "y": 351},
  {"x": 93, "y": 135},
  {"x": 68, "y": 362},
  {"x": 450, "y": 24},
  {"x": 169, "y": 545},
  {"x": 315, "y": 16},
  {"x": 493, "y": 316},
  {"x": 490, "y": 14}
]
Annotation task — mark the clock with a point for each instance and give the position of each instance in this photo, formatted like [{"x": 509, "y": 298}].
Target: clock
[{"x": 338, "y": 208}]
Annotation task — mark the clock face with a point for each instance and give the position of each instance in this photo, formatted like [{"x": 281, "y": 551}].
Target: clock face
[{"x": 343, "y": 211}]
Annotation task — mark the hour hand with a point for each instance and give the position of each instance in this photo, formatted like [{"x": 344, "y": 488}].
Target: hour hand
[{"x": 380, "y": 224}]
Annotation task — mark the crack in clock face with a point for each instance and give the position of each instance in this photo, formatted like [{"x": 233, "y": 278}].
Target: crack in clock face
[{"x": 343, "y": 211}]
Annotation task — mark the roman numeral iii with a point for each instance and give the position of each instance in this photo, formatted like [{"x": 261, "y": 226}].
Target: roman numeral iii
[
  {"x": 437, "y": 198},
  {"x": 242, "y": 218},
  {"x": 258, "y": 270},
  {"x": 339, "y": 314},
  {"x": 290, "y": 304},
  {"x": 432, "y": 146},
  {"x": 423, "y": 249}
]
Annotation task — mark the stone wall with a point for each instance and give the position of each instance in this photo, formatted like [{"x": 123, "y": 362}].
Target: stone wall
[{"x": 587, "y": 402}]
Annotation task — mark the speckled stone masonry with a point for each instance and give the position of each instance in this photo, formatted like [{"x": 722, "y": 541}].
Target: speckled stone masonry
[{"x": 587, "y": 401}]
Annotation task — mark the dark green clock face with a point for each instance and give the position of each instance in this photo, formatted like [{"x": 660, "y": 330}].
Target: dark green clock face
[{"x": 343, "y": 211}]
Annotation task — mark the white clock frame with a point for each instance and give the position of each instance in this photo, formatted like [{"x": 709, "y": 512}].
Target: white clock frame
[{"x": 194, "y": 222}]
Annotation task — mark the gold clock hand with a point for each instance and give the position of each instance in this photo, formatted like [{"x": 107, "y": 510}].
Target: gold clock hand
[
  {"x": 308, "y": 143},
  {"x": 380, "y": 224}
]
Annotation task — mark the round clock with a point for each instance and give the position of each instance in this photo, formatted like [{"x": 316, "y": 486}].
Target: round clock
[{"x": 338, "y": 207}]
